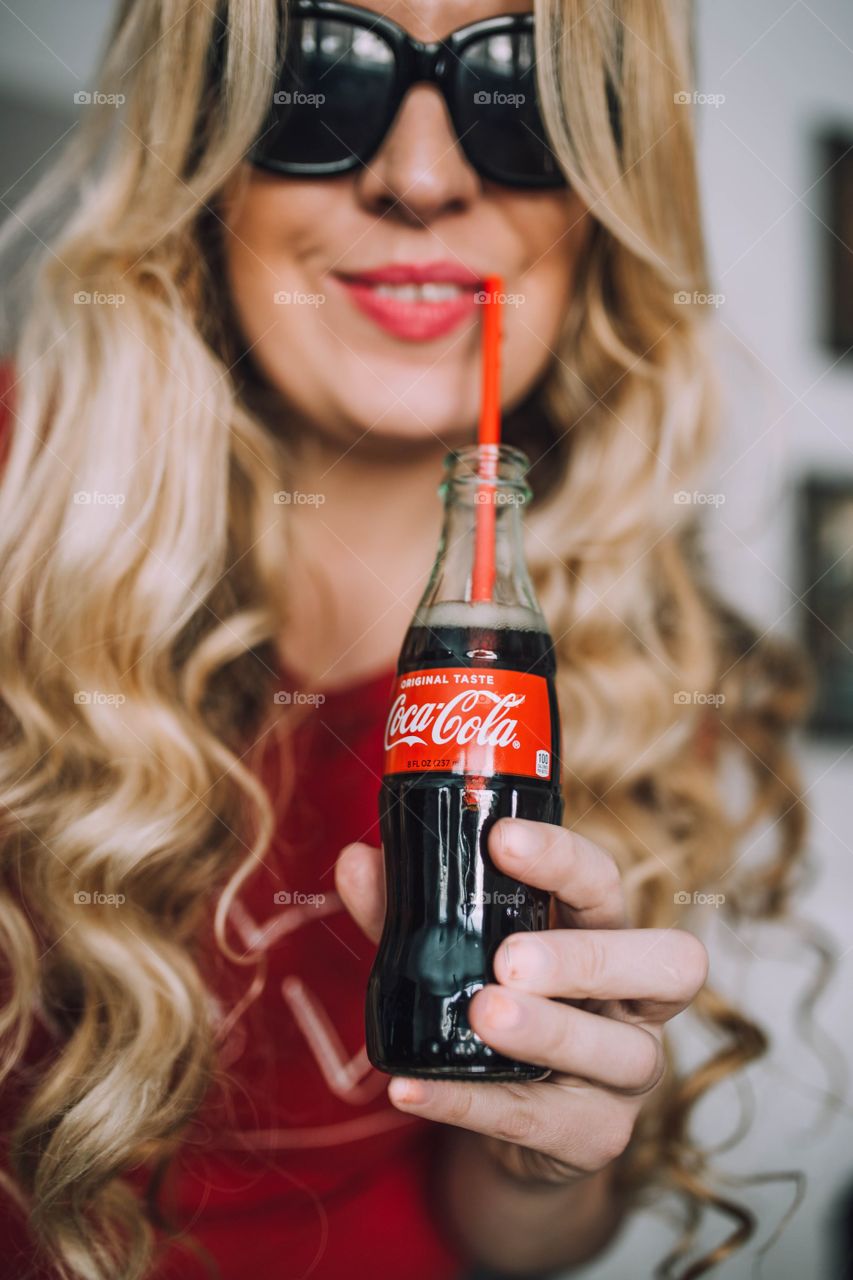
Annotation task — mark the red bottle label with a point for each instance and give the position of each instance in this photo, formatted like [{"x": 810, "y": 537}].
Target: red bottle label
[{"x": 471, "y": 721}]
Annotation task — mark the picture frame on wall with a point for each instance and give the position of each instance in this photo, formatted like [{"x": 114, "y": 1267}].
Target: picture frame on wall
[
  {"x": 837, "y": 181},
  {"x": 826, "y": 542}
]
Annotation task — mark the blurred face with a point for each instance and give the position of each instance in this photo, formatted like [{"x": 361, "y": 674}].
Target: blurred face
[{"x": 357, "y": 293}]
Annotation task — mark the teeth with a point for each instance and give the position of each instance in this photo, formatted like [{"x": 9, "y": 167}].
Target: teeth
[
  {"x": 435, "y": 292},
  {"x": 431, "y": 291}
]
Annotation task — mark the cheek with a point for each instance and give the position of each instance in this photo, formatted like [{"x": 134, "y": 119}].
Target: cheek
[
  {"x": 555, "y": 230},
  {"x": 273, "y": 255},
  {"x": 265, "y": 246},
  {"x": 531, "y": 335}
]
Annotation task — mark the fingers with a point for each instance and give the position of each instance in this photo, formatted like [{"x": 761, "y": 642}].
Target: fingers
[
  {"x": 360, "y": 880},
  {"x": 658, "y": 970},
  {"x": 579, "y": 1126},
  {"x": 581, "y": 874},
  {"x": 572, "y": 1041}
]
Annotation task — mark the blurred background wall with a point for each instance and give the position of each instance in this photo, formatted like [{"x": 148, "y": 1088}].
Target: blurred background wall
[{"x": 773, "y": 77}]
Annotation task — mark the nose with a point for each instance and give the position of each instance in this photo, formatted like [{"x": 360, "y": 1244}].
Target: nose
[{"x": 420, "y": 172}]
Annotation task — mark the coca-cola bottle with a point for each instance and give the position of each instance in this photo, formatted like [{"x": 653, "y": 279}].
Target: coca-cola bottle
[{"x": 472, "y": 736}]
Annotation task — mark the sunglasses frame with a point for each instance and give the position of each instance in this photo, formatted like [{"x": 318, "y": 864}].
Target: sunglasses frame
[{"x": 415, "y": 62}]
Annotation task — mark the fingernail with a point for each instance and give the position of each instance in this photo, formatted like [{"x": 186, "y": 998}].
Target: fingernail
[
  {"x": 501, "y": 1010},
  {"x": 409, "y": 1093},
  {"x": 524, "y": 959}
]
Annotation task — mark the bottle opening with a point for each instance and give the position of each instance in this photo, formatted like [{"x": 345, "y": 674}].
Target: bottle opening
[{"x": 500, "y": 466}]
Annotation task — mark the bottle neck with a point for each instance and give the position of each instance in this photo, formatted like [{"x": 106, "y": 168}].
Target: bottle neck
[{"x": 472, "y": 482}]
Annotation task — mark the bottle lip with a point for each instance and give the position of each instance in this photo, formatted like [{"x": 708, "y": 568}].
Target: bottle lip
[
  {"x": 471, "y": 452},
  {"x": 511, "y": 469}
]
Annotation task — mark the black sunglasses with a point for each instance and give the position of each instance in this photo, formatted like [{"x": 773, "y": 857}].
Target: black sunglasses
[{"x": 346, "y": 70}]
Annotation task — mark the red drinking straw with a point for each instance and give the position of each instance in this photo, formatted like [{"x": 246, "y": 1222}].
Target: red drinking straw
[{"x": 483, "y": 578}]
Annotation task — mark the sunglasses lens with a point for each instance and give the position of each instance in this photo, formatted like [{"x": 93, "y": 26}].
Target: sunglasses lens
[
  {"x": 496, "y": 111},
  {"x": 332, "y": 102}
]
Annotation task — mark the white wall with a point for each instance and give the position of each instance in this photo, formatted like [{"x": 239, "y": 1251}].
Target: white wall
[
  {"x": 48, "y": 48},
  {"x": 784, "y": 68}
]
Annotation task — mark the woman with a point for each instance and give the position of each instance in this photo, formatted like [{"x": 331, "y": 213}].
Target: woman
[{"x": 243, "y": 358}]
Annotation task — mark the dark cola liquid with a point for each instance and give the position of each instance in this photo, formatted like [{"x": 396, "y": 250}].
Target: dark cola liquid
[{"x": 448, "y": 905}]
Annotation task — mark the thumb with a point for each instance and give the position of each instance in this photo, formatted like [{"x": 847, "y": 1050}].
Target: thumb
[{"x": 360, "y": 880}]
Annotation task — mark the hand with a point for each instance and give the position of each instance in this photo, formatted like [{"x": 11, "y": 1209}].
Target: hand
[{"x": 605, "y": 1052}]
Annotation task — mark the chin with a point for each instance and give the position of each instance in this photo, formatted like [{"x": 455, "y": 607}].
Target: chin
[
  {"x": 400, "y": 429},
  {"x": 414, "y": 413}
]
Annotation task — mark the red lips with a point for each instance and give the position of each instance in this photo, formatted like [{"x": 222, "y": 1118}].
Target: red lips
[{"x": 417, "y": 318}]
